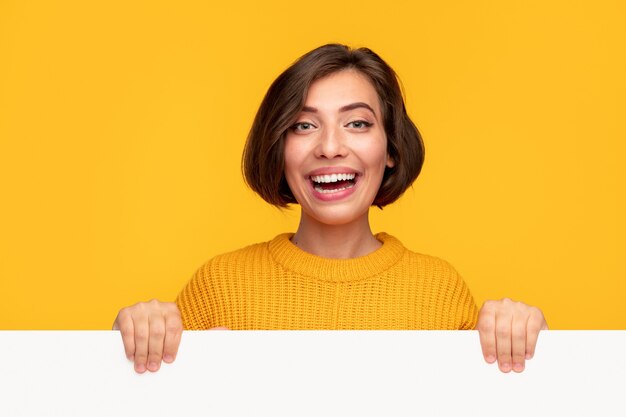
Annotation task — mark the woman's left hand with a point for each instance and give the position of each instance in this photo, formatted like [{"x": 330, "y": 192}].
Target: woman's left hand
[{"x": 508, "y": 332}]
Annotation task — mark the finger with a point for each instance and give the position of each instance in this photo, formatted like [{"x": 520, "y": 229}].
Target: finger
[
  {"x": 487, "y": 332},
  {"x": 536, "y": 323},
  {"x": 503, "y": 341},
  {"x": 173, "y": 333},
  {"x": 518, "y": 340},
  {"x": 142, "y": 330},
  {"x": 124, "y": 324},
  {"x": 155, "y": 341}
]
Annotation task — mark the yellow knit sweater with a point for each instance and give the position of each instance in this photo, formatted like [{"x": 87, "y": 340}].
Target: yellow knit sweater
[{"x": 276, "y": 285}]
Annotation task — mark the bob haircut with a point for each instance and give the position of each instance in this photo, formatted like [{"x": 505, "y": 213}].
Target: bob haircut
[{"x": 263, "y": 161}]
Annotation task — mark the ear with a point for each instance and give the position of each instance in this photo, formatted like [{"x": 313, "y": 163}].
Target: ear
[{"x": 390, "y": 162}]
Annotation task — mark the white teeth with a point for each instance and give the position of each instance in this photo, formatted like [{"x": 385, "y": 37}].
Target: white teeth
[
  {"x": 332, "y": 178},
  {"x": 323, "y": 191}
]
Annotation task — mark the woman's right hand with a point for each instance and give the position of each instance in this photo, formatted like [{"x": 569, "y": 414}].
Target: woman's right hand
[{"x": 151, "y": 332}]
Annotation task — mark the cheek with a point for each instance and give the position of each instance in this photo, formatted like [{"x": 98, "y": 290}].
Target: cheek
[
  {"x": 293, "y": 160},
  {"x": 289, "y": 158},
  {"x": 376, "y": 156}
]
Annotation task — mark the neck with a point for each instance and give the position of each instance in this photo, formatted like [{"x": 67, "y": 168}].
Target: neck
[{"x": 335, "y": 241}]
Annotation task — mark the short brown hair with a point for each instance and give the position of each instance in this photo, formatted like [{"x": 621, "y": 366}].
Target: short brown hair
[{"x": 263, "y": 161}]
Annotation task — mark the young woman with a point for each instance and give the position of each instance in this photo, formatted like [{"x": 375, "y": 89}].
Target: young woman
[{"x": 332, "y": 135}]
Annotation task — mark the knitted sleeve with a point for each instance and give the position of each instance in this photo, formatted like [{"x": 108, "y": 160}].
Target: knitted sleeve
[
  {"x": 465, "y": 312},
  {"x": 195, "y": 301}
]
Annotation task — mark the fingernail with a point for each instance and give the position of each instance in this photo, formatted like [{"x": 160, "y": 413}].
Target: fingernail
[
  {"x": 131, "y": 357},
  {"x": 529, "y": 356},
  {"x": 518, "y": 367},
  {"x": 506, "y": 366},
  {"x": 490, "y": 359},
  {"x": 168, "y": 358},
  {"x": 153, "y": 366},
  {"x": 140, "y": 367}
]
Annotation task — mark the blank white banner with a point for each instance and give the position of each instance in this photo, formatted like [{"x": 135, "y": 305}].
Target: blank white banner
[{"x": 302, "y": 373}]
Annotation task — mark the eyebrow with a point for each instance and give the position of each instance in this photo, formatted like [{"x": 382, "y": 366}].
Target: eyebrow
[{"x": 347, "y": 107}]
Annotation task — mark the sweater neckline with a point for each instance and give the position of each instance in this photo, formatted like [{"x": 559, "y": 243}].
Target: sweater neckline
[{"x": 297, "y": 260}]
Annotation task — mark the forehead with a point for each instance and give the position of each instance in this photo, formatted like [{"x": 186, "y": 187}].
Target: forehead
[{"x": 341, "y": 88}]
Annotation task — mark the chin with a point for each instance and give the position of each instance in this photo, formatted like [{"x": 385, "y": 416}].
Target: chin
[{"x": 335, "y": 216}]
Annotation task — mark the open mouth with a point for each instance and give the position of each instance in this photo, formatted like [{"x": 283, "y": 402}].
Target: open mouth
[{"x": 333, "y": 183}]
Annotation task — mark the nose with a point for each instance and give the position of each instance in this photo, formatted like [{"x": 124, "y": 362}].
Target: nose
[{"x": 331, "y": 143}]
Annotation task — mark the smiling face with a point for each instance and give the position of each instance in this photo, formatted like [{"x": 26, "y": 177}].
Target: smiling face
[{"x": 336, "y": 151}]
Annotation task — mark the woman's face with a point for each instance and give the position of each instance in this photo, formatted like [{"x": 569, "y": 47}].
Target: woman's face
[{"x": 336, "y": 152}]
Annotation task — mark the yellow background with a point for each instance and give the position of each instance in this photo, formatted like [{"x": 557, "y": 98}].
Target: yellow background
[{"x": 122, "y": 125}]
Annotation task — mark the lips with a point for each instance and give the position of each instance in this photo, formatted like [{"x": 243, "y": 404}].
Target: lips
[{"x": 333, "y": 183}]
